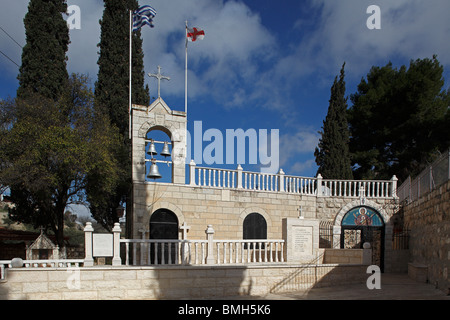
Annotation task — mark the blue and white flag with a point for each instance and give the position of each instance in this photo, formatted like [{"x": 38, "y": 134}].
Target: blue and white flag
[{"x": 142, "y": 16}]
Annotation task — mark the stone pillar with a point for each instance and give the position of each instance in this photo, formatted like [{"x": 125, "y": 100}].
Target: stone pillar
[
  {"x": 239, "y": 177},
  {"x": 394, "y": 186},
  {"x": 337, "y": 237},
  {"x": 281, "y": 180},
  {"x": 116, "y": 261},
  {"x": 210, "y": 237},
  {"x": 88, "y": 259},
  {"x": 367, "y": 254},
  {"x": 192, "y": 173},
  {"x": 319, "y": 185}
]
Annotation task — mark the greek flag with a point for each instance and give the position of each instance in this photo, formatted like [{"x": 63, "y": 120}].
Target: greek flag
[{"x": 142, "y": 16}]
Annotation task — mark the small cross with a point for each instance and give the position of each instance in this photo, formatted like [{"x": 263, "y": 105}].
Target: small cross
[
  {"x": 160, "y": 77},
  {"x": 300, "y": 212},
  {"x": 185, "y": 228}
]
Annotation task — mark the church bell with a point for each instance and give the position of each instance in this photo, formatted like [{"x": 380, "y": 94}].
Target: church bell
[
  {"x": 152, "y": 149},
  {"x": 165, "y": 151},
  {"x": 154, "y": 172}
]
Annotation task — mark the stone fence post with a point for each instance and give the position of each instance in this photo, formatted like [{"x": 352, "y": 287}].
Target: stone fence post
[
  {"x": 319, "y": 185},
  {"x": 116, "y": 261},
  {"x": 281, "y": 180},
  {"x": 192, "y": 173},
  {"x": 210, "y": 237},
  {"x": 88, "y": 259},
  {"x": 367, "y": 254},
  {"x": 394, "y": 186},
  {"x": 239, "y": 177}
]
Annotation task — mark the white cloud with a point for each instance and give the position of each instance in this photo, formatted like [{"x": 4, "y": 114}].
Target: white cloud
[
  {"x": 295, "y": 146},
  {"x": 410, "y": 29},
  {"x": 240, "y": 62},
  {"x": 82, "y": 54},
  {"x": 224, "y": 64}
]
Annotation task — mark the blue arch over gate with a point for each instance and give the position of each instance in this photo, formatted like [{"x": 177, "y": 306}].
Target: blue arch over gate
[{"x": 362, "y": 216}]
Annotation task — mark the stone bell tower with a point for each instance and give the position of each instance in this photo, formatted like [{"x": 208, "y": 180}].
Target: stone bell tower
[{"x": 158, "y": 116}]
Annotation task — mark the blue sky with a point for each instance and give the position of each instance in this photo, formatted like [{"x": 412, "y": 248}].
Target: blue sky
[{"x": 263, "y": 64}]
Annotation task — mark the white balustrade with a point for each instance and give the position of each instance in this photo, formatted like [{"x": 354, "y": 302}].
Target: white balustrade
[
  {"x": 210, "y": 177},
  {"x": 256, "y": 181},
  {"x": 194, "y": 252},
  {"x": 353, "y": 188},
  {"x": 249, "y": 251}
]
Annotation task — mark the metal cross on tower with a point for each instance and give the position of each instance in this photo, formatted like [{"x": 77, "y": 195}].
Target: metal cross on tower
[{"x": 160, "y": 77}]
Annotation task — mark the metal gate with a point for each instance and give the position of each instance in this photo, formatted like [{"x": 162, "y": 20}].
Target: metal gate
[{"x": 360, "y": 225}]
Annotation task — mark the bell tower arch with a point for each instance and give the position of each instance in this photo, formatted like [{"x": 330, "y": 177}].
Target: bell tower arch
[{"x": 158, "y": 116}]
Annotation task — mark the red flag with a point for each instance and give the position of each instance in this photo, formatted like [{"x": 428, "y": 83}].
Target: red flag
[{"x": 194, "y": 34}]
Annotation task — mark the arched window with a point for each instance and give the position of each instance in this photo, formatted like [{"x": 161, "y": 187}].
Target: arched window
[
  {"x": 163, "y": 225},
  {"x": 255, "y": 227}
]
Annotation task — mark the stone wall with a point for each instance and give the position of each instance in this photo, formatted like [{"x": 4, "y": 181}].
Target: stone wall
[
  {"x": 344, "y": 256},
  {"x": 428, "y": 220},
  {"x": 226, "y": 209},
  {"x": 189, "y": 282}
]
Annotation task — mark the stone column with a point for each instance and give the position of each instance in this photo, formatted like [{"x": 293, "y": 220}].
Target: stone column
[
  {"x": 239, "y": 177},
  {"x": 394, "y": 186},
  {"x": 319, "y": 185},
  {"x": 88, "y": 259},
  {"x": 192, "y": 173},
  {"x": 281, "y": 180},
  {"x": 210, "y": 237},
  {"x": 116, "y": 261},
  {"x": 367, "y": 254}
]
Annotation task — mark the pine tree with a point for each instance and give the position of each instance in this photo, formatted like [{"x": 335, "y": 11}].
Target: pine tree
[
  {"x": 112, "y": 98},
  {"x": 397, "y": 120},
  {"x": 43, "y": 68},
  {"x": 332, "y": 154}
]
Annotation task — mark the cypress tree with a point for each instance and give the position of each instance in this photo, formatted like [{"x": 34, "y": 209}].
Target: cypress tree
[
  {"x": 43, "y": 68},
  {"x": 332, "y": 153},
  {"x": 111, "y": 88},
  {"x": 111, "y": 99}
]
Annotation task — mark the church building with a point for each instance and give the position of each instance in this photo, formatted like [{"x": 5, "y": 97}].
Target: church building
[{"x": 241, "y": 205}]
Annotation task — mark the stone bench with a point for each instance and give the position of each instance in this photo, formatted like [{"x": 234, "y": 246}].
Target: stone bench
[{"x": 418, "y": 271}]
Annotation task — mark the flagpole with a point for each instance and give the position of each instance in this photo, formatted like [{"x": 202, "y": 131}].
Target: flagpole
[
  {"x": 185, "y": 90},
  {"x": 185, "y": 74},
  {"x": 129, "y": 84}
]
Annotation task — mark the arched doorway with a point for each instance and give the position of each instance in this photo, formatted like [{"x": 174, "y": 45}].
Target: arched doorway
[
  {"x": 364, "y": 224},
  {"x": 163, "y": 226}
]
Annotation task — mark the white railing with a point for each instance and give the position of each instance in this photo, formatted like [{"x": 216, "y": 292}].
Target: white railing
[
  {"x": 300, "y": 185},
  {"x": 433, "y": 176},
  {"x": 353, "y": 188},
  {"x": 197, "y": 252},
  {"x": 210, "y": 177},
  {"x": 60, "y": 263},
  {"x": 164, "y": 252},
  {"x": 249, "y": 251},
  {"x": 246, "y": 180},
  {"x": 259, "y": 181}
]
